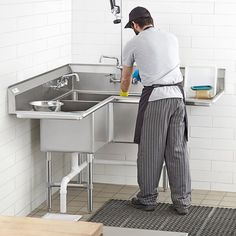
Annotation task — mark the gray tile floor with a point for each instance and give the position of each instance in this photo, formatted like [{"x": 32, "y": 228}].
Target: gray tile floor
[{"x": 77, "y": 199}]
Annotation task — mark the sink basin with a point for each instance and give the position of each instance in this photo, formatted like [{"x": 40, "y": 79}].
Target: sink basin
[
  {"x": 85, "y": 135},
  {"x": 75, "y": 95},
  {"x": 70, "y": 106}
]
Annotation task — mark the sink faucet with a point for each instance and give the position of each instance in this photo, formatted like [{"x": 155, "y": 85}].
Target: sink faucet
[
  {"x": 118, "y": 66},
  {"x": 115, "y": 58},
  {"x": 63, "y": 81},
  {"x": 67, "y": 76}
]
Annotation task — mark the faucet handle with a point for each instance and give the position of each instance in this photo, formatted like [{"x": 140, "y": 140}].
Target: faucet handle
[{"x": 113, "y": 78}]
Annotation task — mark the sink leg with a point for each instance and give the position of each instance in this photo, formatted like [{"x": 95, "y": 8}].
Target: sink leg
[
  {"x": 80, "y": 175},
  {"x": 49, "y": 180},
  {"x": 165, "y": 179},
  {"x": 90, "y": 181}
]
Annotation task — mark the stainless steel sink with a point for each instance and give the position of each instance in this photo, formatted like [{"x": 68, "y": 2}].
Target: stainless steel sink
[
  {"x": 70, "y": 106},
  {"x": 87, "y": 134},
  {"x": 84, "y": 135}
]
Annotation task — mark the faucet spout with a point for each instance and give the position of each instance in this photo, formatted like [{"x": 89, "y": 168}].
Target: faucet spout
[
  {"x": 63, "y": 81},
  {"x": 108, "y": 57},
  {"x": 71, "y": 75}
]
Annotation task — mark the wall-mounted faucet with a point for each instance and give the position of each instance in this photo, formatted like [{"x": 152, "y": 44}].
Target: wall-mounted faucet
[
  {"x": 63, "y": 81},
  {"x": 70, "y": 76},
  {"x": 108, "y": 57},
  {"x": 113, "y": 77}
]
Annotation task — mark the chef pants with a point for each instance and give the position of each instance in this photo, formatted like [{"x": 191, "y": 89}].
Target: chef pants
[{"x": 162, "y": 140}]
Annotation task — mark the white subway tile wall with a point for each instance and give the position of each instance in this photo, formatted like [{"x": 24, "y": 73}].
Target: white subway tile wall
[
  {"x": 35, "y": 36},
  {"x": 206, "y": 30}
]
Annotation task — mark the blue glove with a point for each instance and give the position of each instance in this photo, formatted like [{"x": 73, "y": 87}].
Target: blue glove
[{"x": 136, "y": 75}]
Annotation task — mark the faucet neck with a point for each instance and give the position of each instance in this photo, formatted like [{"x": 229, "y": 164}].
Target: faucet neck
[{"x": 108, "y": 57}]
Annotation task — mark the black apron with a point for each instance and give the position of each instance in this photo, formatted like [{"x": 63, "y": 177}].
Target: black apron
[{"x": 147, "y": 90}]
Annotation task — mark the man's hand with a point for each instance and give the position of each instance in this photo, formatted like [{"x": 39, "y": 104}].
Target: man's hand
[
  {"x": 136, "y": 75},
  {"x": 124, "y": 94}
]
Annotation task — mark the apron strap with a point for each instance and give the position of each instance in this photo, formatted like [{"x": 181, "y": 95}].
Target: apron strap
[{"x": 146, "y": 92}]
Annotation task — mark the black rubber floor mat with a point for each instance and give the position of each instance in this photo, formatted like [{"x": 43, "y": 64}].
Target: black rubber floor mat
[{"x": 201, "y": 221}]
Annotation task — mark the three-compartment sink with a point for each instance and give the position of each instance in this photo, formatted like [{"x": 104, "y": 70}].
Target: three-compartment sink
[{"x": 85, "y": 119}]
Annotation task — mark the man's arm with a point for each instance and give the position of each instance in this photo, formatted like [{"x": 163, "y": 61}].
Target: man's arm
[{"x": 126, "y": 78}]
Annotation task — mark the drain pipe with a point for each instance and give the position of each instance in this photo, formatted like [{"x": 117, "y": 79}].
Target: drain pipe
[{"x": 75, "y": 170}]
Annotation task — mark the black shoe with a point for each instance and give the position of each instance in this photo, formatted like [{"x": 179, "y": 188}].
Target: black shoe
[
  {"x": 181, "y": 210},
  {"x": 137, "y": 204}
]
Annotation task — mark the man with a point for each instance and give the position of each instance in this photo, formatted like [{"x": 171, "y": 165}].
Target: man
[{"x": 161, "y": 126}]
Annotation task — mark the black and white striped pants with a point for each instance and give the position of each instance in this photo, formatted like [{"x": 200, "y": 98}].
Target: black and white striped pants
[{"x": 163, "y": 139}]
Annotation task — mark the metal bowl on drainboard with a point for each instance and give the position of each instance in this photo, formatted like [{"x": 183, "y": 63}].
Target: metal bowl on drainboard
[{"x": 46, "y": 105}]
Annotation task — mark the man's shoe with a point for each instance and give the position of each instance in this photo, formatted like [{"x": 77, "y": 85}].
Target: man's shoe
[
  {"x": 137, "y": 204},
  {"x": 182, "y": 211}
]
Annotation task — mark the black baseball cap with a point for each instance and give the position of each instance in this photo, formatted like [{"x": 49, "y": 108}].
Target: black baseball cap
[{"x": 137, "y": 12}]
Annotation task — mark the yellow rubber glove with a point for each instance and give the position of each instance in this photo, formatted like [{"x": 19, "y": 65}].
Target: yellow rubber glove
[{"x": 124, "y": 94}]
